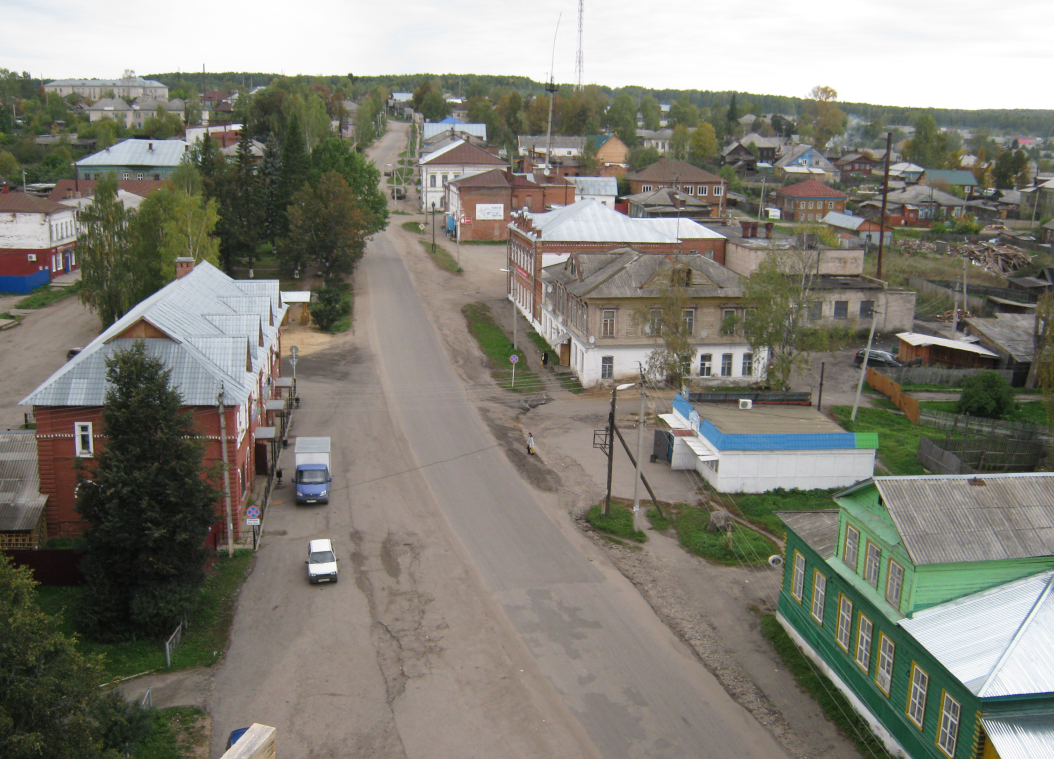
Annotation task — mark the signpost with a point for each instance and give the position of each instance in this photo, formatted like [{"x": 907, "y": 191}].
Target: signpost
[
  {"x": 462, "y": 220},
  {"x": 513, "y": 359},
  {"x": 252, "y": 515}
]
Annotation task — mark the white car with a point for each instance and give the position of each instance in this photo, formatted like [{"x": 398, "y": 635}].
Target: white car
[{"x": 321, "y": 561}]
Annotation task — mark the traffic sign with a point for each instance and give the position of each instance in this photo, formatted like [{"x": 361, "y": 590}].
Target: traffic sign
[
  {"x": 253, "y": 512},
  {"x": 513, "y": 358},
  {"x": 252, "y": 522},
  {"x": 422, "y": 226},
  {"x": 466, "y": 220}
]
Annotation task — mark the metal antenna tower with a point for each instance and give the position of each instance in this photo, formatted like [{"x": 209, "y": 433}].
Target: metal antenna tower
[{"x": 580, "y": 63}]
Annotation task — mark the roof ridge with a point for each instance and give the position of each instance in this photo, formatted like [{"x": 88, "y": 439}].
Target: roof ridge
[{"x": 1022, "y": 628}]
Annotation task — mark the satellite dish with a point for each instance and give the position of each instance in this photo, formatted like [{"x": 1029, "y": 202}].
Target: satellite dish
[
  {"x": 548, "y": 288},
  {"x": 592, "y": 339},
  {"x": 776, "y": 561},
  {"x": 546, "y": 171}
]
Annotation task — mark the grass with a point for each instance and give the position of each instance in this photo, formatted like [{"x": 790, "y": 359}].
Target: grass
[
  {"x": 897, "y": 267},
  {"x": 207, "y": 632},
  {"x": 413, "y": 226},
  {"x": 742, "y": 546},
  {"x": 761, "y": 507},
  {"x": 619, "y": 520},
  {"x": 539, "y": 342},
  {"x": 6, "y": 315},
  {"x": 659, "y": 523},
  {"x": 1034, "y": 412},
  {"x": 441, "y": 258},
  {"x": 829, "y": 698},
  {"x": 898, "y": 438},
  {"x": 570, "y": 382},
  {"x": 177, "y": 733},
  {"x": 497, "y": 347},
  {"x": 44, "y": 296}
]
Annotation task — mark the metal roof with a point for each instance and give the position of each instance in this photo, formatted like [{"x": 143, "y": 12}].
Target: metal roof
[
  {"x": 430, "y": 130},
  {"x": 1011, "y": 332},
  {"x": 21, "y": 503},
  {"x": 595, "y": 185},
  {"x": 213, "y": 324},
  {"x": 1021, "y": 736},
  {"x": 962, "y": 518},
  {"x": 628, "y": 273},
  {"x": 460, "y": 152},
  {"x": 843, "y": 220},
  {"x": 917, "y": 194},
  {"x": 999, "y": 642},
  {"x": 591, "y": 221},
  {"x": 819, "y": 529},
  {"x": 672, "y": 170},
  {"x": 138, "y": 153},
  {"x": 683, "y": 229},
  {"x": 915, "y": 338}
]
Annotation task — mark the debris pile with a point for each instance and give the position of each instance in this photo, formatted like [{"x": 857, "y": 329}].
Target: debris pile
[
  {"x": 950, "y": 315},
  {"x": 999, "y": 259}
]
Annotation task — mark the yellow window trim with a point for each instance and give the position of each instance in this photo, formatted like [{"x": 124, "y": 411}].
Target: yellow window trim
[
  {"x": 856, "y": 647},
  {"x": 878, "y": 664},
  {"x": 911, "y": 692},
  {"x": 845, "y": 544},
  {"x": 843, "y": 597},
  {"x": 794, "y": 574},
  {"x": 940, "y": 721},
  {"x": 812, "y": 601}
]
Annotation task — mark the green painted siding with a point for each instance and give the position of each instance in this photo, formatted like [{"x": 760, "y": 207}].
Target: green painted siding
[
  {"x": 938, "y": 583},
  {"x": 890, "y": 710},
  {"x": 889, "y": 550}
]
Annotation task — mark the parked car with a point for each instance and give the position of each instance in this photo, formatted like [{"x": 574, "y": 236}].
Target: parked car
[
  {"x": 877, "y": 358},
  {"x": 235, "y": 735},
  {"x": 321, "y": 561}
]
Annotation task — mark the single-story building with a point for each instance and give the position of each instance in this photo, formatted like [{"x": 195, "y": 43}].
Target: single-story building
[
  {"x": 38, "y": 240},
  {"x": 940, "y": 351},
  {"x": 859, "y": 226},
  {"x": 22, "y": 523},
  {"x": 1011, "y": 337}
]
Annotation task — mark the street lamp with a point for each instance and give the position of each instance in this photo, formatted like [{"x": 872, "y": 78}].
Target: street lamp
[
  {"x": 433, "y": 227},
  {"x": 611, "y": 441}
]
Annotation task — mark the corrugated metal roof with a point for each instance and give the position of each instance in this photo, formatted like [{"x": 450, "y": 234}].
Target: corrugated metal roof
[
  {"x": 1023, "y": 736},
  {"x": 819, "y": 529},
  {"x": 1012, "y": 332},
  {"x": 591, "y": 221},
  {"x": 197, "y": 312},
  {"x": 999, "y": 642},
  {"x": 430, "y": 130},
  {"x": 843, "y": 220},
  {"x": 460, "y": 152},
  {"x": 21, "y": 503},
  {"x": 915, "y": 338},
  {"x": 946, "y": 519},
  {"x": 138, "y": 153},
  {"x": 683, "y": 229},
  {"x": 595, "y": 185},
  {"x": 628, "y": 273}
]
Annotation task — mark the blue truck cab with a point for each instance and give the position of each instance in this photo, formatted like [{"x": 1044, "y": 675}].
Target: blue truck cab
[{"x": 312, "y": 478}]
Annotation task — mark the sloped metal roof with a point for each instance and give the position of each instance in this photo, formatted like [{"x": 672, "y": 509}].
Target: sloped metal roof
[
  {"x": 843, "y": 220},
  {"x": 1020, "y": 736},
  {"x": 916, "y": 338},
  {"x": 819, "y": 529},
  {"x": 999, "y": 642},
  {"x": 962, "y": 518},
  {"x": 21, "y": 503},
  {"x": 208, "y": 318},
  {"x": 683, "y": 229},
  {"x": 628, "y": 273},
  {"x": 1012, "y": 332},
  {"x": 138, "y": 153},
  {"x": 430, "y": 129},
  {"x": 591, "y": 221},
  {"x": 595, "y": 185}
]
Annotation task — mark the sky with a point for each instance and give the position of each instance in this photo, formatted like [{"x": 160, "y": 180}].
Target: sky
[{"x": 939, "y": 53}]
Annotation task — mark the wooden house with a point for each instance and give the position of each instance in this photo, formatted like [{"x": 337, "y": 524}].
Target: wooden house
[{"x": 940, "y": 351}]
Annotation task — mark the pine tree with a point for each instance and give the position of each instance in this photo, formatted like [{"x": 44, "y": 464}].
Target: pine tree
[
  {"x": 147, "y": 506},
  {"x": 294, "y": 170},
  {"x": 732, "y": 117},
  {"x": 243, "y": 206},
  {"x": 270, "y": 173}
]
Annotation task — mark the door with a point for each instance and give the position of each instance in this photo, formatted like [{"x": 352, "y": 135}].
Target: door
[
  {"x": 565, "y": 354},
  {"x": 66, "y": 261}
]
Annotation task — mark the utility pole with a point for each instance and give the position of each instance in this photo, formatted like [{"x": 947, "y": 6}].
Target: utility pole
[
  {"x": 580, "y": 61},
  {"x": 882, "y": 216},
  {"x": 611, "y": 450},
  {"x": 640, "y": 453},
  {"x": 864, "y": 363},
  {"x": 226, "y": 472}
]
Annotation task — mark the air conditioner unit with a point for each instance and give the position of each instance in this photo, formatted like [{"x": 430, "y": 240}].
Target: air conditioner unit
[
  {"x": 745, "y": 405},
  {"x": 32, "y": 257}
]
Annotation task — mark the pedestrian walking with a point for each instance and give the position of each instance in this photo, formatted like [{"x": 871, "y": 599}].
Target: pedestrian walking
[{"x": 530, "y": 443}]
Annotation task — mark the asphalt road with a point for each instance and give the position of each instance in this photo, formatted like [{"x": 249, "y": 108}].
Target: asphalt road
[{"x": 471, "y": 618}]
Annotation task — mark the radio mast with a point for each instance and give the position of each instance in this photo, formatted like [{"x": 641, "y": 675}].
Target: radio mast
[{"x": 580, "y": 63}]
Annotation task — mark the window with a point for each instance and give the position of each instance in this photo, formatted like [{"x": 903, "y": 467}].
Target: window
[
  {"x": 682, "y": 277},
  {"x": 126, "y": 175},
  {"x": 801, "y": 205},
  {"x": 872, "y": 564},
  {"x": 445, "y": 178},
  {"x": 864, "y": 629},
  {"x": 728, "y": 321},
  {"x": 810, "y": 205},
  {"x": 703, "y": 190},
  {"x": 705, "y": 361},
  {"x": 688, "y": 321},
  {"x": 726, "y": 364},
  {"x": 867, "y": 307},
  {"x": 819, "y": 595},
  {"x": 690, "y": 189},
  {"x": 607, "y": 367},
  {"x": 884, "y": 671},
  {"x": 948, "y": 734},
  {"x": 139, "y": 177},
  {"x": 841, "y": 309},
  {"x": 645, "y": 188},
  {"x": 83, "y": 439},
  {"x": 431, "y": 180},
  {"x": 655, "y": 321},
  {"x": 830, "y": 204},
  {"x": 748, "y": 364},
  {"x": 607, "y": 323},
  {"x": 798, "y": 581},
  {"x": 717, "y": 191},
  {"x": 894, "y": 583},
  {"x": 845, "y": 622},
  {"x": 851, "y": 549},
  {"x": 920, "y": 681},
  {"x": 815, "y": 310}
]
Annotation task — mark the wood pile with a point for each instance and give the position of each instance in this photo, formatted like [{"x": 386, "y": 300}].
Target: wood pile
[
  {"x": 999, "y": 259},
  {"x": 949, "y": 315}
]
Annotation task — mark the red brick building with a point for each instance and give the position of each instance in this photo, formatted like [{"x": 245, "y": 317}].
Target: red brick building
[
  {"x": 217, "y": 335},
  {"x": 488, "y": 200},
  {"x": 809, "y": 201},
  {"x": 686, "y": 178},
  {"x": 38, "y": 241}
]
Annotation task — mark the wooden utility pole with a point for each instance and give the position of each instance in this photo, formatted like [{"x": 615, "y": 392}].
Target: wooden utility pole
[
  {"x": 226, "y": 472},
  {"x": 885, "y": 194}
]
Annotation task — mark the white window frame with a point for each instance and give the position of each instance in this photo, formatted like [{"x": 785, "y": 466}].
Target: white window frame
[
  {"x": 844, "y": 634},
  {"x": 819, "y": 595},
  {"x": 852, "y": 540},
  {"x": 607, "y": 367},
  {"x": 747, "y": 366},
  {"x": 654, "y": 326},
  {"x": 82, "y": 433},
  {"x": 703, "y": 190},
  {"x": 894, "y": 583},
  {"x": 607, "y": 321},
  {"x": 869, "y": 564},
  {"x": 865, "y": 635},
  {"x": 798, "y": 577},
  {"x": 948, "y": 732},
  {"x": 688, "y": 321},
  {"x": 718, "y": 191},
  {"x": 706, "y": 364},
  {"x": 884, "y": 671},
  {"x": 920, "y": 683}
]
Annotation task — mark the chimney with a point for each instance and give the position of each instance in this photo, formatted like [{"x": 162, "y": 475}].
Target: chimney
[
  {"x": 150, "y": 146},
  {"x": 746, "y": 228},
  {"x": 4, "y": 189},
  {"x": 769, "y": 226},
  {"x": 184, "y": 266}
]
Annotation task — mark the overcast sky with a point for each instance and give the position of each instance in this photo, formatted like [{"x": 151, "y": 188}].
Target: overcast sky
[{"x": 942, "y": 53}]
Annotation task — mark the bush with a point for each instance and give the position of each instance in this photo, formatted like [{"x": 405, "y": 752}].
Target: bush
[
  {"x": 986, "y": 394},
  {"x": 331, "y": 306}
]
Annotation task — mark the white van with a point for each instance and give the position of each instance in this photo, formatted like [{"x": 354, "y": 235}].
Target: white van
[{"x": 321, "y": 561}]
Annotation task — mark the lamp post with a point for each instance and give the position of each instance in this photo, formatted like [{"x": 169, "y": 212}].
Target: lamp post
[
  {"x": 640, "y": 453},
  {"x": 611, "y": 442},
  {"x": 433, "y": 227}
]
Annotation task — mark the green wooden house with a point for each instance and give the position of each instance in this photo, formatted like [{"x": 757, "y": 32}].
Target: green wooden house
[{"x": 929, "y": 601}]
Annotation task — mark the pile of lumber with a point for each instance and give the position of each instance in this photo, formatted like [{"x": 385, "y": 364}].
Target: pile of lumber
[
  {"x": 1000, "y": 259},
  {"x": 950, "y": 315}
]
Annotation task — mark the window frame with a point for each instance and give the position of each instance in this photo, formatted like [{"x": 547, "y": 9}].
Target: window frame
[
  {"x": 727, "y": 360},
  {"x": 814, "y": 310},
  {"x": 913, "y": 688},
  {"x": 953, "y": 734},
  {"x": 845, "y": 615},
  {"x": 797, "y": 589},
  {"x": 747, "y": 365},
  {"x": 654, "y": 326},
  {"x": 843, "y": 307},
  {"x": 703, "y": 190},
  {"x": 608, "y": 325},
  {"x": 80, "y": 430},
  {"x": 879, "y": 669},
  {"x": 870, "y": 309},
  {"x": 867, "y": 564},
  {"x": 817, "y": 576},
  {"x": 706, "y": 364},
  {"x": 607, "y": 367},
  {"x": 861, "y": 618},
  {"x": 688, "y": 321},
  {"x": 856, "y": 547},
  {"x": 895, "y": 603}
]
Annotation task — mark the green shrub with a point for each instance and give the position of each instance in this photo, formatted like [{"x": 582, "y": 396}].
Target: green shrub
[
  {"x": 986, "y": 394},
  {"x": 332, "y": 305}
]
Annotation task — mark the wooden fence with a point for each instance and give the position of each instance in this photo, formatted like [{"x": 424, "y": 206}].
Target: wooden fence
[
  {"x": 965, "y": 424},
  {"x": 969, "y": 455},
  {"x": 975, "y": 304},
  {"x": 893, "y": 391},
  {"x": 51, "y": 566},
  {"x": 937, "y": 375}
]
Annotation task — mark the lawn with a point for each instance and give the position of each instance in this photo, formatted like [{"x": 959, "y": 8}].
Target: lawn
[
  {"x": 741, "y": 546},
  {"x": 441, "y": 258},
  {"x": 178, "y": 732},
  {"x": 497, "y": 347},
  {"x": 413, "y": 226},
  {"x": 619, "y": 520},
  {"x": 207, "y": 631},
  {"x": 898, "y": 438},
  {"x": 1034, "y": 412},
  {"x": 761, "y": 507},
  {"x": 44, "y": 296}
]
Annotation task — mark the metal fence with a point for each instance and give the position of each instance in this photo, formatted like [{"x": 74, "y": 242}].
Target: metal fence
[
  {"x": 173, "y": 642},
  {"x": 970, "y": 455},
  {"x": 965, "y": 424},
  {"x": 796, "y": 399},
  {"x": 936, "y": 375}
]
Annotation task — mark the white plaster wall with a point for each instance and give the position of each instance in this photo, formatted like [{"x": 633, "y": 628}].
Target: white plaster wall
[
  {"x": 761, "y": 471},
  {"x": 37, "y": 231}
]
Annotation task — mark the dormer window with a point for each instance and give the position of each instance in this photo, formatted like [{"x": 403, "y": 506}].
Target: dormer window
[{"x": 682, "y": 277}]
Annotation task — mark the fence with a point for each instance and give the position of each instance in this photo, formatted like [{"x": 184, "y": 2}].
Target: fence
[
  {"x": 965, "y": 424},
  {"x": 893, "y": 391},
  {"x": 795, "y": 399},
  {"x": 173, "y": 642},
  {"x": 937, "y": 375},
  {"x": 974, "y": 304},
  {"x": 970, "y": 455}
]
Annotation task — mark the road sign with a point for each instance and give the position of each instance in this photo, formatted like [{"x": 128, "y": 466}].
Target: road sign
[
  {"x": 513, "y": 358},
  {"x": 252, "y": 522},
  {"x": 422, "y": 226},
  {"x": 466, "y": 220},
  {"x": 253, "y": 512}
]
